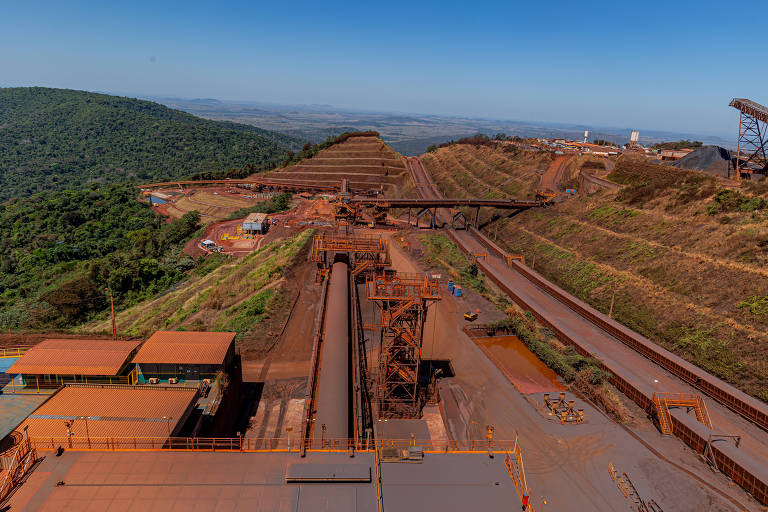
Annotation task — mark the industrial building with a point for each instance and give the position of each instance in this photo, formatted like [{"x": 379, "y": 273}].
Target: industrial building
[
  {"x": 54, "y": 362},
  {"x": 174, "y": 357},
  {"x": 88, "y": 413},
  {"x": 256, "y": 224}
]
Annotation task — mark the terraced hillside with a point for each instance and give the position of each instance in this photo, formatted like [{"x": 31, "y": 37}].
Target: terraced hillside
[
  {"x": 492, "y": 172},
  {"x": 681, "y": 256},
  {"x": 367, "y": 161}
]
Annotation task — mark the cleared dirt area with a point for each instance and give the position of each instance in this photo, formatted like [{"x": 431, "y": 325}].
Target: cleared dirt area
[
  {"x": 682, "y": 267},
  {"x": 213, "y": 203}
]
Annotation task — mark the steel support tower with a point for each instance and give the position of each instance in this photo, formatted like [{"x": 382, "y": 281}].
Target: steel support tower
[
  {"x": 752, "y": 154},
  {"x": 403, "y": 300}
]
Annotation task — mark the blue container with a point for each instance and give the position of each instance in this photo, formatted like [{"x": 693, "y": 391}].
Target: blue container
[
  {"x": 450, "y": 286},
  {"x": 457, "y": 291}
]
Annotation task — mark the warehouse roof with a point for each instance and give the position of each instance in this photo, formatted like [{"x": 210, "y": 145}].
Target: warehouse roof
[
  {"x": 185, "y": 347},
  {"x": 112, "y": 411},
  {"x": 75, "y": 357}
]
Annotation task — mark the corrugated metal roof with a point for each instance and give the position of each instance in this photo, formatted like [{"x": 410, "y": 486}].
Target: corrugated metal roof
[
  {"x": 185, "y": 347},
  {"x": 255, "y": 217},
  {"x": 112, "y": 411},
  {"x": 75, "y": 357}
]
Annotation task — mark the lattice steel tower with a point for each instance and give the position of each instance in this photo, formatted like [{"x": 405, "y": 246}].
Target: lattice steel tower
[
  {"x": 403, "y": 300},
  {"x": 753, "y": 137}
]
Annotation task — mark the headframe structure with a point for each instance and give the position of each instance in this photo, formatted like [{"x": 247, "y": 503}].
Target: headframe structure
[{"x": 753, "y": 137}]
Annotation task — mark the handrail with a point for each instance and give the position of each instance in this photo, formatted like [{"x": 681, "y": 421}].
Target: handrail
[
  {"x": 245, "y": 444},
  {"x": 9, "y": 352},
  {"x": 23, "y": 458}
]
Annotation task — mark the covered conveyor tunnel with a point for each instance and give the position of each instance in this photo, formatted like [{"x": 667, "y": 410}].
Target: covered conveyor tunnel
[{"x": 332, "y": 421}]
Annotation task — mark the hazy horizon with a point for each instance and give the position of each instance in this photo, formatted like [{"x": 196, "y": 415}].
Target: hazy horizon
[{"x": 616, "y": 66}]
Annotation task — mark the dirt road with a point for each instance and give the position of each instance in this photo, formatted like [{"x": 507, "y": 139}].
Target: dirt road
[{"x": 553, "y": 174}]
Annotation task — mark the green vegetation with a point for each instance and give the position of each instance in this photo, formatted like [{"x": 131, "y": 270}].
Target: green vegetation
[
  {"x": 249, "y": 295},
  {"x": 756, "y": 304},
  {"x": 681, "y": 144},
  {"x": 277, "y": 203},
  {"x": 249, "y": 313},
  {"x": 61, "y": 250},
  {"x": 612, "y": 214},
  {"x": 442, "y": 253},
  {"x": 707, "y": 350},
  {"x": 56, "y": 139},
  {"x": 726, "y": 201}
]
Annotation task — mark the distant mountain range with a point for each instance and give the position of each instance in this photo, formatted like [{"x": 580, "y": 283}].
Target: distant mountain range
[{"x": 408, "y": 133}]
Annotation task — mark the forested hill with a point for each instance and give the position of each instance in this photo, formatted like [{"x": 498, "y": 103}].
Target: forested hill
[{"x": 55, "y": 139}]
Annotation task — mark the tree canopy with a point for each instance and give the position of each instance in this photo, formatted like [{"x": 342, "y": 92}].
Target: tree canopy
[{"x": 56, "y": 139}]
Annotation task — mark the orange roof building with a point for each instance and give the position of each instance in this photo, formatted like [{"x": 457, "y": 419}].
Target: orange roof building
[
  {"x": 109, "y": 411},
  {"x": 55, "y": 361},
  {"x": 185, "y": 355}
]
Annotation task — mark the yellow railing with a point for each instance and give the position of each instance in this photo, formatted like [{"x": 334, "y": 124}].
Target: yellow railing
[
  {"x": 12, "y": 352},
  {"x": 36, "y": 384}
]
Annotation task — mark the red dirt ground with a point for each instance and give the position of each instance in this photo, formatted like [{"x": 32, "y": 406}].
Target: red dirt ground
[{"x": 526, "y": 371}]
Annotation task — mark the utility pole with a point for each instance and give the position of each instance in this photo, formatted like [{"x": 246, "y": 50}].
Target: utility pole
[
  {"x": 613, "y": 297},
  {"x": 112, "y": 305}
]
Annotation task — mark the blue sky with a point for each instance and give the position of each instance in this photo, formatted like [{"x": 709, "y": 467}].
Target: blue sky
[{"x": 651, "y": 65}]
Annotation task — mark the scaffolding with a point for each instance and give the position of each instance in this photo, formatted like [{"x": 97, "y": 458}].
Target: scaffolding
[
  {"x": 403, "y": 300},
  {"x": 365, "y": 253}
]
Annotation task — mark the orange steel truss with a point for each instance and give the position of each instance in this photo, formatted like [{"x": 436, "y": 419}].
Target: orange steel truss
[
  {"x": 343, "y": 211},
  {"x": 365, "y": 252},
  {"x": 664, "y": 401},
  {"x": 403, "y": 300}
]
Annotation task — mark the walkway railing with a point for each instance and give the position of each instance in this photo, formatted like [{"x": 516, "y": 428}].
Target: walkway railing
[
  {"x": 13, "y": 352},
  {"x": 513, "y": 460},
  {"x": 24, "y": 456},
  {"x": 235, "y": 444},
  {"x": 36, "y": 384}
]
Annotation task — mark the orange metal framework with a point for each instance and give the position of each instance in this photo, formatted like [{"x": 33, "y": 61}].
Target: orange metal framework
[
  {"x": 343, "y": 211},
  {"x": 513, "y": 460},
  {"x": 753, "y": 136},
  {"x": 403, "y": 300},
  {"x": 20, "y": 462},
  {"x": 365, "y": 252},
  {"x": 663, "y": 401}
]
